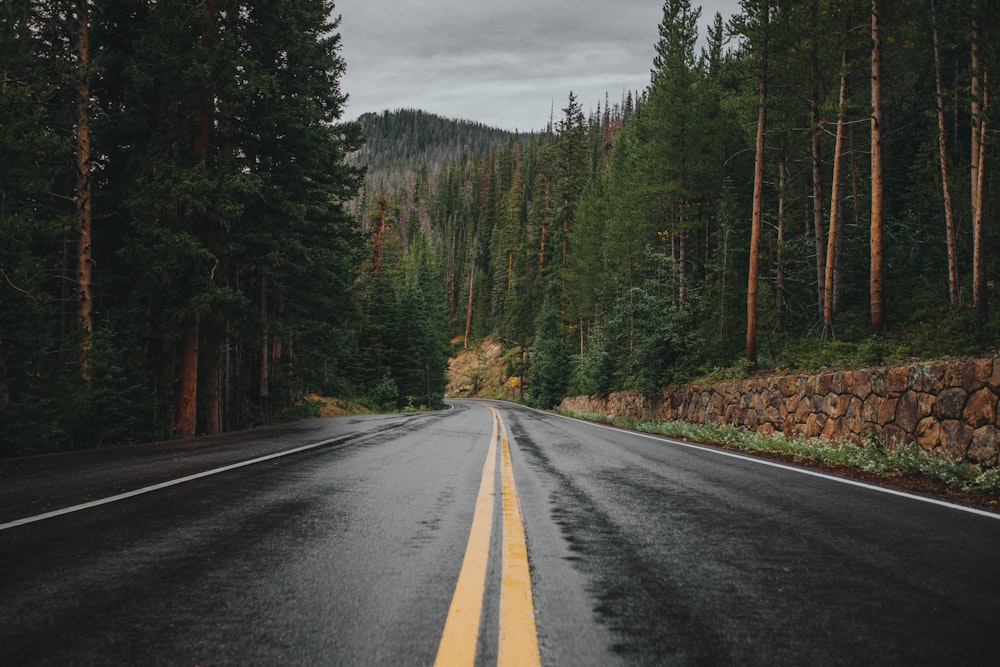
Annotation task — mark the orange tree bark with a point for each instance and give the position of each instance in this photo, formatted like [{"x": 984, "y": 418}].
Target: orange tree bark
[
  {"x": 830, "y": 266},
  {"x": 949, "y": 220},
  {"x": 758, "y": 196},
  {"x": 876, "y": 286}
]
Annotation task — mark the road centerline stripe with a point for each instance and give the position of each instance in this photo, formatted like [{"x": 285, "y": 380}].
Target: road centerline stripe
[
  {"x": 518, "y": 635},
  {"x": 518, "y": 641},
  {"x": 461, "y": 627}
]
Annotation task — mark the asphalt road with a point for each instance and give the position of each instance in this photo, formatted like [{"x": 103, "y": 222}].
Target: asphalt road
[{"x": 640, "y": 551}]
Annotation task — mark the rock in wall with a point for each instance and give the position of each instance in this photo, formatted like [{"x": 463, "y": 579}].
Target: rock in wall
[{"x": 943, "y": 406}]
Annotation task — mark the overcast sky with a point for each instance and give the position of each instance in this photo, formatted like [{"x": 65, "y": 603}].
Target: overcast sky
[{"x": 504, "y": 63}]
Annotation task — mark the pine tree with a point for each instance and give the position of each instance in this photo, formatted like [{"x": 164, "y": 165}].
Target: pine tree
[
  {"x": 37, "y": 335},
  {"x": 549, "y": 362}
]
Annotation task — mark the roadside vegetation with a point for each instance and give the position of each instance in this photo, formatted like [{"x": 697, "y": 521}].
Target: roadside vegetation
[{"x": 901, "y": 465}]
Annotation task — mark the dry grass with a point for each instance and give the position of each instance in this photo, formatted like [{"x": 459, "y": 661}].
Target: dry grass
[
  {"x": 336, "y": 407},
  {"x": 479, "y": 371}
]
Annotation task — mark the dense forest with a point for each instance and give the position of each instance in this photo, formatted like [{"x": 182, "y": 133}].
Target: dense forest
[
  {"x": 189, "y": 243},
  {"x": 176, "y": 254},
  {"x": 812, "y": 187}
]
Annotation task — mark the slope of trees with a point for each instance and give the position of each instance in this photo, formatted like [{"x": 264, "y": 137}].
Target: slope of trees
[{"x": 409, "y": 140}]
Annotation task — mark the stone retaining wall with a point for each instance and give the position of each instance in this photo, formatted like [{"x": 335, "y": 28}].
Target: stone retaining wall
[{"x": 947, "y": 406}]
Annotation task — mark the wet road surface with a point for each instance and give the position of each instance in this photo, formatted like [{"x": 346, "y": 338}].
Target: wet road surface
[{"x": 640, "y": 552}]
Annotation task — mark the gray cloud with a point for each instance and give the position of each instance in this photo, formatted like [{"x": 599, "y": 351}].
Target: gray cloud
[{"x": 505, "y": 64}]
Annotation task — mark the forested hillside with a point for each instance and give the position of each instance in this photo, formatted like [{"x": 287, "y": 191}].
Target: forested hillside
[
  {"x": 406, "y": 142},
  {"x": 812, "y": 188}
]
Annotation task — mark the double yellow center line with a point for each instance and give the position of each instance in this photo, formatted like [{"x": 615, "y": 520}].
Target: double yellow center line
[{"x": 518, "y": 637}]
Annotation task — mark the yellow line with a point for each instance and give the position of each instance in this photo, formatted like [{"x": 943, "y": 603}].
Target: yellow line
[
  {"x": 518, "y": 640},
  {"x": 518, "y": 643},
  {"x": 461, "y": 629}
]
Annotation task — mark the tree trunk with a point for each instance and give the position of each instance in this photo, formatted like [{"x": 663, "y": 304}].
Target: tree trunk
[
  {"x": 723, "y": 324},
  {"x": 468, "y": 313},
  {"x": 758, "y": 201},
  {"x": 877, "y": 290},
  {"x": 263, "y": 388},
  {"x": 779, "y": 276},
  {"x": 83, "y": 205},
  {"x": 949, "y": 221},
  {"x": 187, "y": 375},
  {"x": 976, "y": 115},
  {"x": 452, "y": 291},
  {"x": 165, "y": 388},
  {"x": 545, "y": 219},
  {"x": 379, "y": 229},
  {"x": 682, "y": 253},
  {"x": 835, "y": 208},
  {"x": 979, "y": 297},
  {"x": 510, "y": 270},
  {"x": 817, "y": 192},
  {"x": 214, "y": 339}
]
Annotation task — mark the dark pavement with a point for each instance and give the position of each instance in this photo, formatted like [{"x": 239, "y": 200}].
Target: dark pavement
[{"x": 641, "y": 552}]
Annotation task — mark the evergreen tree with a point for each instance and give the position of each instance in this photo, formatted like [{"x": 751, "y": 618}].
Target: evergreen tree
[
  {"x": 37, "y": 333},
  {"x": 549, "y": 361}
]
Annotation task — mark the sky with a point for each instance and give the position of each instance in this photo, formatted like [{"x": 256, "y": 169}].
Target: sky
[{"x": 504, "y": 63}]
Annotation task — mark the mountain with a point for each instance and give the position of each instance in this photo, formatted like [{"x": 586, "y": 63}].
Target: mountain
[{"x": 406, "y": 140}]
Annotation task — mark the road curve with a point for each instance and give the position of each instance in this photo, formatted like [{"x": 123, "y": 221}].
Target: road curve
[{"x": 638, "y": 551}]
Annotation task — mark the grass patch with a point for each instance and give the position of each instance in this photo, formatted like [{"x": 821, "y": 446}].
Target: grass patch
[{"x": 870, "y": 457}]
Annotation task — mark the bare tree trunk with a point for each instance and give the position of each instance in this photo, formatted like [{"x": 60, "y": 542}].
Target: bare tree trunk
[
  {"x": 877, "y": 289},
  {"x": 263, "y": 388},
  {"x": 779, "y": 277},
  {"x": 185, "y": 422},
  {"x": 379, "y": 229},
  {"x": 510, "y": 270},
  {"x": 468, "y": 315},
  {"x": 83, "y": 190},
  {"x": 817, "y": 192},
  {"x": 682, "y": 265},
  {"x": 214, "y": 335},
  {"x": 450, "y": 287},
  {"x": 976, "y": 115},
  {"x": 213, "y": 338},
  {"x": 565, "y": 252},
  {"x": 979, "y": 296},
  {"x": 835, "y": 208},
  {"x": 545, "y": 219},
  {"x": 165, "y": 388},
  {"x": 723, "y": 325},
  {"x": 758, "y": 201},
  {"x": 949, "y": 220}
]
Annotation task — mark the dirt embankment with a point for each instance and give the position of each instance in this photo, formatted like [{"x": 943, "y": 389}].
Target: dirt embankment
[
  {"x": 336, "y": 407},
  {"x": 483, "y": 371}
]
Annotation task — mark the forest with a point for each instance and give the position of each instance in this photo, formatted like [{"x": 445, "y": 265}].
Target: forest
[
  {"x": 193, "y": 241},
  {"x": 813, "y": 187},
  {"x": 176, "y": 255}
]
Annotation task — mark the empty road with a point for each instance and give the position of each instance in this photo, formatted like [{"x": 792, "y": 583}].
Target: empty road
[{"x": 487, "y": 532}]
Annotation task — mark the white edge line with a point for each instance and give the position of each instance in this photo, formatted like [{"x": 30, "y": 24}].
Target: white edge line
[
  {"x": 164, "y": 485},
  {"x": 773, "y": 464}
]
